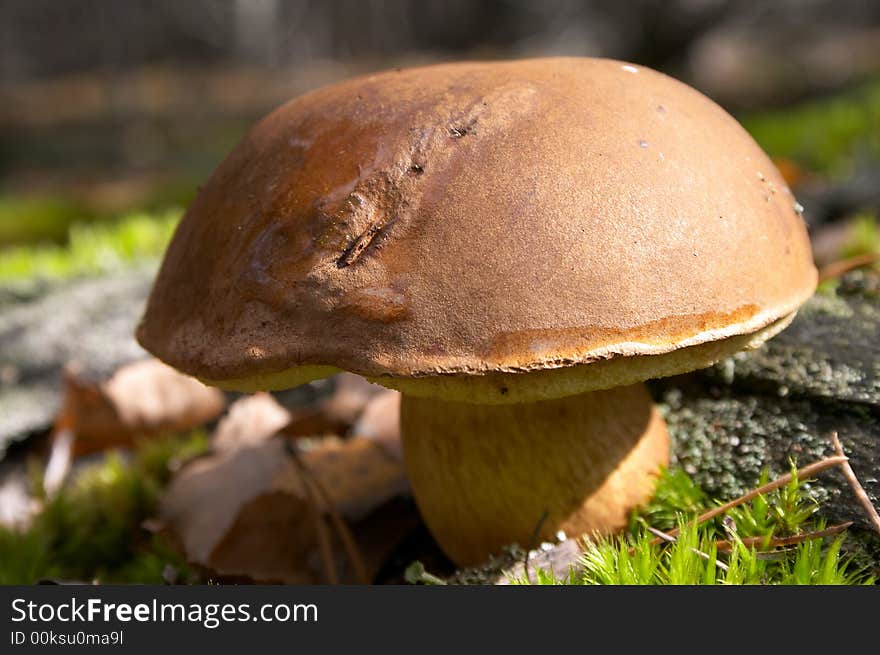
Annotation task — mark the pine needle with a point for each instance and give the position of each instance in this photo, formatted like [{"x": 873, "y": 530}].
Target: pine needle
[
  {"x": 858, "y": 489},
  {"x": 806, "y": 472}
]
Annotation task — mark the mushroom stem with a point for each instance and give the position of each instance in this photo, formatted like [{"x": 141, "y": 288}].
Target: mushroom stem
[{"x": 484, "y": 475}]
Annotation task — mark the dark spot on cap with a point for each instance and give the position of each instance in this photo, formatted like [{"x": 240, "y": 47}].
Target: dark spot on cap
[{"x": 459, "y": 131}]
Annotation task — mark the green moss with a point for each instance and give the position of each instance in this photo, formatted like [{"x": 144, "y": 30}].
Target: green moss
[
  {"x": 92, "y": 248},
  {"x": 635, "y": 558},
  {"x": 676, "y": 494},
  {"x": 37, "y": 218},
  {"x": 93, "y": 529},
  {"x": 828, "y": 136},
  {"x": 864, "y": 237}
]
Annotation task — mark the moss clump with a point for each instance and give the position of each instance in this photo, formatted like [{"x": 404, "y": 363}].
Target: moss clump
[
  {"x": 827, "y": 136},
  {"x": 93, "y": 530},
  {"x": 37, "y": 218},
  {"x": 92, "y": 248},
  {"x": 637, "y": 559},
  {"x": 864, "y": 237}
]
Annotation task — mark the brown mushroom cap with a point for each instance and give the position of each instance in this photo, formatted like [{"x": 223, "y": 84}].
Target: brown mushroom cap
[{"x": 446, "y": 229}]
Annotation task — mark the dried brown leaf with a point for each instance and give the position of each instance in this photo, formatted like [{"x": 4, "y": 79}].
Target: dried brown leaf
[
  {"x": 141, "y": 399},
  {"x": 338, "y": 412},
  {"x": 380, "y": 422},
  {"x": 250, "y": 421},
  {"x": 248, "y": 513}
]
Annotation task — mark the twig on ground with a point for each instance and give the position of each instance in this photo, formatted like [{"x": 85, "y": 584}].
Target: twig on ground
[
  {"x": 324, "y": 545},
  {"x": 838, "y": 268},
  {"x": 806, "y": 472},
  {"x": 345, "y": 536},
  {"x": 857, "y": 488},
  {"x": 321, "y": 531},
  {"x": 668, "y": 537},
  {"x": 318, "y": 497},
  {"x": 724, "y": 546}
]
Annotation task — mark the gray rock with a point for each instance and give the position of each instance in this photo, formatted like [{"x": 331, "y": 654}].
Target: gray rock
[
  {"x": 831, "y": 351},
  {"x": 762, "y": 409},
  {"x": 724, "y": 440},
  {"x": 88, "y": 321}
]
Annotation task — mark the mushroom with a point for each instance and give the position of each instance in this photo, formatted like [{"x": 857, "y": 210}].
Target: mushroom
[{"x": 516, "y": 247}]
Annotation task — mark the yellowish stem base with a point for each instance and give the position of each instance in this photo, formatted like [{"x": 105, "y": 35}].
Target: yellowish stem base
[{"x": 485, "y": 476}]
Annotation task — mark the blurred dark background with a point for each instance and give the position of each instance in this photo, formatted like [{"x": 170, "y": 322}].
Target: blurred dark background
[{"x": 107, "y": 106}]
